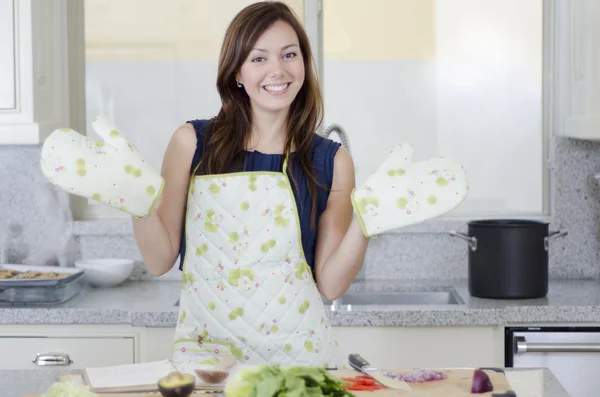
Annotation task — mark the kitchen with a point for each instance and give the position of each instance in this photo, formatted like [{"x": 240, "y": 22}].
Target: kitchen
[{"x": 423, "y": 267}]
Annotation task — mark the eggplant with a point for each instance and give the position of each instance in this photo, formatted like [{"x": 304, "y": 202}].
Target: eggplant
[{"x": 177, "y": 384}]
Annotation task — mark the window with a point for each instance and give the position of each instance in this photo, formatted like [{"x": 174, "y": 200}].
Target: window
[{"x": 457, "y": 78}]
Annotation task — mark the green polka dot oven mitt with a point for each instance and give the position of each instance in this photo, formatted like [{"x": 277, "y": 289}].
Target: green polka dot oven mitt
[
  {"x": 400, "y": 193},
  {"x": 110, "y": 171}
]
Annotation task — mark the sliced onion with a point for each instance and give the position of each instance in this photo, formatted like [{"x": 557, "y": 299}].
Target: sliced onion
[{"x": 416, "y": 376}]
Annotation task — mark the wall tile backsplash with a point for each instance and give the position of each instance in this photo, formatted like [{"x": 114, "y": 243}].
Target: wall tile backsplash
[{"x": 427, "y": 253}]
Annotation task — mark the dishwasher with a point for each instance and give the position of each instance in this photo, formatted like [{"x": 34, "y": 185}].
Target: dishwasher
[{"x": 572, "y": 354}]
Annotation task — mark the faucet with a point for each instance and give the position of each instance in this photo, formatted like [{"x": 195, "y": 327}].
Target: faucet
[{"x": 340, "y": 131}]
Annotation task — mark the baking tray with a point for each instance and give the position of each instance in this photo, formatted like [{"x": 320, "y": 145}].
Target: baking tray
[
  {"x": 72, "y": 275},
  {"x": 39, "y": 296}
]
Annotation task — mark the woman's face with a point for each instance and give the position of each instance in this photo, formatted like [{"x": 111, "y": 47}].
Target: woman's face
[{"x": 273, "y": 73}]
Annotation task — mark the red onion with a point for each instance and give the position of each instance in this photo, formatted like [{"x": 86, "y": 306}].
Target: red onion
[{"x": 416, "y": 376}]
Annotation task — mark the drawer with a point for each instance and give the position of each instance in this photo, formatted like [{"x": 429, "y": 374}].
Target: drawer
[{"x": 20, "y": 352}]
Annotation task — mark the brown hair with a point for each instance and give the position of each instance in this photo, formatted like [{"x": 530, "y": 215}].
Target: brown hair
[{"x": 230, "y": 131}]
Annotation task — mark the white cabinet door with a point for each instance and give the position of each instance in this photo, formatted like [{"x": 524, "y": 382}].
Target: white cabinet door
[
  {"x": 578, "y": 71},
  {"x": 20, "y": 352},
  {"x": 7, "y": 60},
  {"x": 424, "y": 347}
]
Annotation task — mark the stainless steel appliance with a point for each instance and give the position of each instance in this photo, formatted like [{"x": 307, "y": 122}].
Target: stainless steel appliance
[{"x": 571, "y": 353}]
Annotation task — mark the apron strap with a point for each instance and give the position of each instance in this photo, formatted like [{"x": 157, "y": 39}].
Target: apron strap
[{"x": 285, "y": 161}]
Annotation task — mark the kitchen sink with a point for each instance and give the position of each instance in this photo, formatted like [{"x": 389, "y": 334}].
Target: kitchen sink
[{"x": 446, "y": 297}]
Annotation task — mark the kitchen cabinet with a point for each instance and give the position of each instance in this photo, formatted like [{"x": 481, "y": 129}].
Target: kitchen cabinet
[
  {"x": 425, "y": 347},
  {"x": 578, "y": 83},
  {"x": 71, "y": 347},
  {"x": 34, "y": 82},
  {"x": 390, "y": 346}
]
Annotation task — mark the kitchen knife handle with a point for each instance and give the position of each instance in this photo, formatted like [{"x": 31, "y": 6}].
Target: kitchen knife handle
[{"x": 358, "y": 362}]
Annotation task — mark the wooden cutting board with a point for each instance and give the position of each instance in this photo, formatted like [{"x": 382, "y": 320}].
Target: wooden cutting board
[{"x": 457, "y": 384}]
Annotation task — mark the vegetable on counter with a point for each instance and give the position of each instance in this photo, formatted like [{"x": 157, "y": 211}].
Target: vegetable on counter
[
  {"x": 416, "y": 376},
  {"x": 481, "y": 382},
  {"x": 273, "y": 380},
  {"x": 67, "y": 389},
  {"x": 176, "y": 384},
  {"x": 361, "y": 382}
]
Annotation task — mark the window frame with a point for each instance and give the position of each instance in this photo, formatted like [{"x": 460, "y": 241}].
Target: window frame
[{"x": 87, "y": 210}]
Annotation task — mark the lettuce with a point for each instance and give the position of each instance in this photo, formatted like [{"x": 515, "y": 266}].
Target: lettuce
[
  {"x": 277, "y": 381},
  {"x": 67, "y": 389}
]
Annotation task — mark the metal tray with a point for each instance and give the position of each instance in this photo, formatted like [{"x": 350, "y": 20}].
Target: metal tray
[
  {"x": 73, "y": 274},
  {"x": 39, "y": 296}
]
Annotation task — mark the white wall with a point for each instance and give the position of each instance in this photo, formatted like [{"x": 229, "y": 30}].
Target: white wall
[{"x": 7, "y": 60}]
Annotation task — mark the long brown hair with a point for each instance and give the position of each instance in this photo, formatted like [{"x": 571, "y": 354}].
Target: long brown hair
[{"x": 230, "y": 130}]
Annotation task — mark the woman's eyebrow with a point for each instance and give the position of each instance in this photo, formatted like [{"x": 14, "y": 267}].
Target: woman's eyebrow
[{"x": 282, "y": 48}]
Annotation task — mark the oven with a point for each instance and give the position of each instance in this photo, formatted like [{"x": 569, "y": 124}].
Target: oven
[{"x": 572, "y": 354}]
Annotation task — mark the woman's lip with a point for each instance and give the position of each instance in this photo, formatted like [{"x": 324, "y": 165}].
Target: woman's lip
[{"x": 277, "y": 92}]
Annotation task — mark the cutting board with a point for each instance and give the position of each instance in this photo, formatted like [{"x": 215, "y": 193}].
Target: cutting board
[{"x": 457, "y": 384}]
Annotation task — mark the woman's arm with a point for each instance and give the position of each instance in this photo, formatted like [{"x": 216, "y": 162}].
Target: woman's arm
[
  {"x": 341, "y": 244},
  {"x": 159, "y": 235}
]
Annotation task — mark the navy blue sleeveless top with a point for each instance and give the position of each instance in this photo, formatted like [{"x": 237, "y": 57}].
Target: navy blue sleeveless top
[{"x": 321, "y": 153}]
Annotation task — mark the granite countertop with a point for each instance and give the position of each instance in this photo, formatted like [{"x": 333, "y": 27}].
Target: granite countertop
[
  {"x": 17, "y": 383},
  {"x": 152, "y": 304}
]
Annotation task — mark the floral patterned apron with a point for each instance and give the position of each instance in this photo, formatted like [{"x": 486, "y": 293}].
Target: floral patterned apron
[{"x": 247, "y": 289}]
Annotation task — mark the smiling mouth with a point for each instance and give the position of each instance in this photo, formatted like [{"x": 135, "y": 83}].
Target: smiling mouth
[{"x": 276, "y": 87}]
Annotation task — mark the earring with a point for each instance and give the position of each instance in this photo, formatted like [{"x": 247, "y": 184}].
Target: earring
[{"x": 239, "y": 84}]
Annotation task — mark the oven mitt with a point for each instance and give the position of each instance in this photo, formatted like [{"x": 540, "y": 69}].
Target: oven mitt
[
  {"x": 109, "y": 171},
  {"x": 400, "y": 193}
]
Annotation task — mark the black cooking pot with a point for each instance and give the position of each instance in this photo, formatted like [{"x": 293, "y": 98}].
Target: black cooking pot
[{"x": 508, "y": 258}]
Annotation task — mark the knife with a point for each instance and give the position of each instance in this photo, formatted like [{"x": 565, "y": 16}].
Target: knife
[{"x": 357, "y": 362}]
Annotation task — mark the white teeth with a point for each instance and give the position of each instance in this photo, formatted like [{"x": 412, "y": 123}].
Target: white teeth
[{"x": 276, "y": 87}]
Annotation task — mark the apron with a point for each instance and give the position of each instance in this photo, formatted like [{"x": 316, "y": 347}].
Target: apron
[{"x": 247, "y": 289}]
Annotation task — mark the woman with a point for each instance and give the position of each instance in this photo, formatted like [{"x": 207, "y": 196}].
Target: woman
[
  {"x": 255, "y": 243},
  {"x": 258, "y": 207}
]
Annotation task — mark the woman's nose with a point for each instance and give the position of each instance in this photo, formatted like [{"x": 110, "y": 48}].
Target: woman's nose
[{"x": 276, "y": 68}]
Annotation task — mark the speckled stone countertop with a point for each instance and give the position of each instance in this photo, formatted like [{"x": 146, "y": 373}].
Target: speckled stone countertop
[
  {"x": 153, "y": 304},
  {"x": 18, "y": 383}
]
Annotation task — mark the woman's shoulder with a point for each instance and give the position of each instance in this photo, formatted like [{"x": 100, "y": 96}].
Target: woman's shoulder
[
  {"x": 322, "y": 152},
  {"x": 200, "y": 126},
  {"x": 323, "y": 148}
]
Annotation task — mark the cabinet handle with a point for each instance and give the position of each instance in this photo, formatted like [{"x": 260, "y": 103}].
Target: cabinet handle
[
  {"x": 55, "y": 359},
  {"x": 521, "y": 346}
]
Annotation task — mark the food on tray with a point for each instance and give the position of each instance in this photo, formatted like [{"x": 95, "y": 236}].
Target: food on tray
[
  {"x": 7, "y": 273},
  {"x": 177, "y": 384},
  {"x": 416, "y": 376},
  {"x": 29, "y": 274},
  {"x": 481, "y": 382}
]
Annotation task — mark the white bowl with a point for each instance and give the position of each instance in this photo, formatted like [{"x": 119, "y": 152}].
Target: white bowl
[{"x": 105, "y": 272}]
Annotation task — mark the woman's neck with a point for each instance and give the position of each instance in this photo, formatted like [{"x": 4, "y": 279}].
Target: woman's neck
[{"x": 268, "y": 134}]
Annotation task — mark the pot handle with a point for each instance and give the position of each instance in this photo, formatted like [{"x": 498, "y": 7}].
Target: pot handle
[
  {"x": 551, "y": 236},
  {"x": 471, "y": 240}
]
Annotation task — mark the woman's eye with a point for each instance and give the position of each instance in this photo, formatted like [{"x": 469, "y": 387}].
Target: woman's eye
[
  {"x": 290, "y": 55},
  {"x": 258, "y": 59}
]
